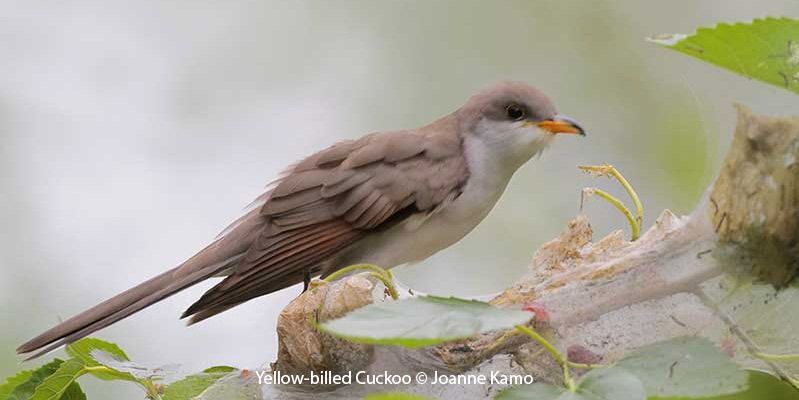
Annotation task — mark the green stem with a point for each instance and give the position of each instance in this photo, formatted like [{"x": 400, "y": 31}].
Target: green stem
[
  {"x": 383, "y": 275},
  {"x": 544, "y": 343},
  {"x": 504, "y": 338},
  {"x": 611, "y": 171},
  {"x": 359, "y": 267},
  {"x": 639, "y": 208},
  {"x": 584, "y": 366},
  {"x": 151, "y": 389},
  {"x": 635, "y": 229},
  {"x": 567, "y": 379},
  {"x": 98, "y": 368},
  {"x": 392, "y": 291}
]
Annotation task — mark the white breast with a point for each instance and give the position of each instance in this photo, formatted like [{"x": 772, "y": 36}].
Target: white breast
[{"x": 424, "y": 235}]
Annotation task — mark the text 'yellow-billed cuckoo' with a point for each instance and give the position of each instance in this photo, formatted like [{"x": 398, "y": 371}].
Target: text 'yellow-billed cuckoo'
[{"x": 388, "y": 198}]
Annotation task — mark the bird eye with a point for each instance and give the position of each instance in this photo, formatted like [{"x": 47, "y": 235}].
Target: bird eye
[{"x": 515, "y": 112}]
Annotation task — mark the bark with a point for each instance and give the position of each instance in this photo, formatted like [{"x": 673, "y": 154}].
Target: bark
[{"x": 604, "y": 297}]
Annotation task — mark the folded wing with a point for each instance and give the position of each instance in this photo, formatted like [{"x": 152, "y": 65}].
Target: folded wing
[{"x": 333, "y": 199}]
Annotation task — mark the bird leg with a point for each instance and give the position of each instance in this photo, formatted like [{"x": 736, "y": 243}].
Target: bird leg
[{"x": 306, "y": 280}]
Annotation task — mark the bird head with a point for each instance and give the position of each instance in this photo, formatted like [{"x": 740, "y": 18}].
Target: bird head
[{"x": 514, "y": 121}]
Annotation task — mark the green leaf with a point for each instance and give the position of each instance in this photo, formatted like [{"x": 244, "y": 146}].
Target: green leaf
[
  {"x": 193, "y": 385},
  {"x": 241, "y": 386},
  {"x": 597, "y": 384},
  {"x": 82, "y": 350},
  {"x": 129, "y": 370},
  {"x": 73, "y": 392},
  {"x": 12, "y": 382},
  {"x": 762, "y": 386},
  {"x": 766, "y": 49},
  {"x": 395, "y": 396},
  {"x": 86, "y": 350},
  {"x": 25, "y": 390},
  {"x": 60, "y": 381},
  {"x": 422, "y": 321},
  {"x": 536, "y": 391},
  {"x": 685, "y": 367},
  {"x": 219, "y": 369},
  {"x": 768, "y": 316}
]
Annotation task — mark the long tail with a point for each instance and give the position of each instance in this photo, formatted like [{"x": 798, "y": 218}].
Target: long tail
[{"x": 214, "y": 259}]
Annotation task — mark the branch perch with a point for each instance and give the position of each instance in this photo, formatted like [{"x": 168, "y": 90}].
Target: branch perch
[{"x": 611, "y": 295}]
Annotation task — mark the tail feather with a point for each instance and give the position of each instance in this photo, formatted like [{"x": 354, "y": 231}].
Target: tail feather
[
  {"x": 115, "y": 309},
  {"x": 214, "y": 259}
]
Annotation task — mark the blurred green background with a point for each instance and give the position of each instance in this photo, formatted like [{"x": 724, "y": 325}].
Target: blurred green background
[{"x": 131, "y": 133}]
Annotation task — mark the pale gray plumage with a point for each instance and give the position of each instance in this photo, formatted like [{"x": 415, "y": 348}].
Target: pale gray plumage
[{"x": 387, "y": 198}]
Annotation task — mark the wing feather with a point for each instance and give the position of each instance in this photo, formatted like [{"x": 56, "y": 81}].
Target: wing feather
[{"x": 333, "y": 199}]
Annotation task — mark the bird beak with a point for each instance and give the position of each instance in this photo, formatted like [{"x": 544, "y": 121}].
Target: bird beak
[{"x": 561, "y": 124}]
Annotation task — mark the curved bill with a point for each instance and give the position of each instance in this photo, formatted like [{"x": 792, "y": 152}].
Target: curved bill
[{"x": 561, "y": 124}]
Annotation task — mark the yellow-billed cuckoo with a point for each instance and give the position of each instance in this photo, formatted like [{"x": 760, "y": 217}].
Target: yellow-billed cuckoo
[{"x": 388, "y": 198}]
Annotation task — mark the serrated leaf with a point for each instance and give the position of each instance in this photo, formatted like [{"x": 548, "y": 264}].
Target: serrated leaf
[
  {"x": 238, "y": 387},
  {"x": 193, "y": 385},
  {"x": 73, "y": 392},
  {"x": 762, "y": 386},
  {"x": 12, "y": 382},
  {"x": 60, "y": 381},
  {"x": 395, "y": 396},
  {"x": 597, "y": 384},
  {"x": 25, "y": 390},
  {"x": 133, "y": 371},
  {"x": 84, "y": 350},
  {"x": 685, "y": 367},
  {"x": 765, "y": 49},
  {"x": 219, "y": 369},
  {"x": 768, "y": 316},
  {"x": 422, "y": 321}
]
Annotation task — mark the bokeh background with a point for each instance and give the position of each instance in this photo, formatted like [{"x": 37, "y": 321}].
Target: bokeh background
[{"x": 132, "y": 133}]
